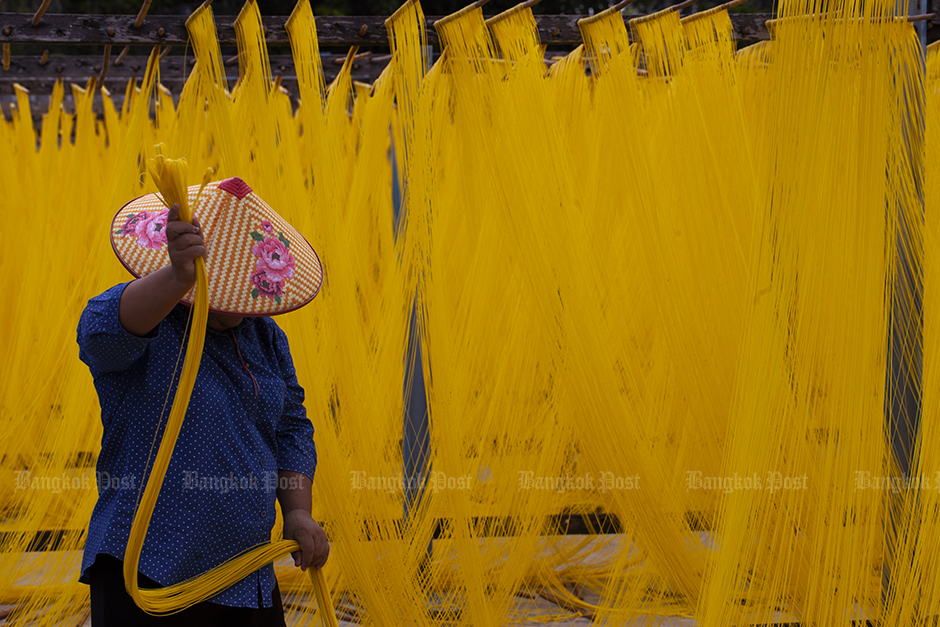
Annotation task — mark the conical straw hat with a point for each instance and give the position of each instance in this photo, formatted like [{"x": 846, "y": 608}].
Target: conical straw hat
[{"x": 257, "y": 263}]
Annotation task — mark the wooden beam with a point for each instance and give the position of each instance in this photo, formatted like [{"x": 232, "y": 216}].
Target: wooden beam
[
  {"x": 31, "y": 73},
  {"x": 71, "y": 66},
  {"x": 343, "y": 31}
]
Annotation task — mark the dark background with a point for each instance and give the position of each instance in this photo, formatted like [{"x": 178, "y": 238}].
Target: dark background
[
  {"x": 357, "y": 7},
  {"x": 322, "y": 8}
]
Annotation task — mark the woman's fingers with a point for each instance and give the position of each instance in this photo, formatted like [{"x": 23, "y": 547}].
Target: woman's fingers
[
  {"x": 186, "y": 241},
  {"x": 191, "y": 253},
  {"x": 307, "y": 550},
  {"x": 322, "y": 549},
  {"x": 175, "y": 229}
]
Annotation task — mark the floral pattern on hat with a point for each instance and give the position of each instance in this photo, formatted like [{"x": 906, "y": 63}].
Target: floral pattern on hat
[
  {"x": 149, "y": 227},
  {"x": 131, "y": 223},
  {"x": 275, "y": 264},
  {"x": 261, "y": 265}
]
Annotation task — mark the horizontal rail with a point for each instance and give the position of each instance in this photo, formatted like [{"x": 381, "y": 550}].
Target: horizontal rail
[
  {"x": 34, "y": 71},
  {"x": 368, "y": 30}
]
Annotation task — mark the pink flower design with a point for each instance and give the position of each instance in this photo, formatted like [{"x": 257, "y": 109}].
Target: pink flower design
[
  {"x": 275, "y": 263},
  {"x": 274, "y": 259},
  {"x": 266, "y": 287},
  {"x": 151, "y": 231},
  {"x": 131, "y": 223}
]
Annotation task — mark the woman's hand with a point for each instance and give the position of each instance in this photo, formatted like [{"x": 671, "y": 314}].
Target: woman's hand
[
  {"x": 184, "y": 242},
  {"x": 314, "y": 547},
  {"x": 148, "y": 300}
]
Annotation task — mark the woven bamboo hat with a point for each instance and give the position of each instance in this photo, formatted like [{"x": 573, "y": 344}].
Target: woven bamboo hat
[{"x": 257, "y": 263}]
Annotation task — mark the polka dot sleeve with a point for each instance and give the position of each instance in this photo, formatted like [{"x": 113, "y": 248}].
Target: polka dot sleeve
[
  {"x": 295, "y": 448},
  {"x": 104, "y": 345}
]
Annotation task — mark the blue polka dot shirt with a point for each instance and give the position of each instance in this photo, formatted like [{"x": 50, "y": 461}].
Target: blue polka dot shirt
[{"x": 245, "y": 421}]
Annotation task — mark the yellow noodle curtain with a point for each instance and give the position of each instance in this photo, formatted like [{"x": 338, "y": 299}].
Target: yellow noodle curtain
[{"x": 661, "y": 289}]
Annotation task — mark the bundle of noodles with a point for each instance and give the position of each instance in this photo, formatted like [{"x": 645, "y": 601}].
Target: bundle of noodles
[{"x": 808, "y": 411}]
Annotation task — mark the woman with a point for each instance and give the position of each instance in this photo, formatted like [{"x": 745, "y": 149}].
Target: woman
[{"x": 246, "y": 440}]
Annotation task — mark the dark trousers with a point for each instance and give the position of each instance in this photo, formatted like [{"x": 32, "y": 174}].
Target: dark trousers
[{"x": 111, "y": 606}]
